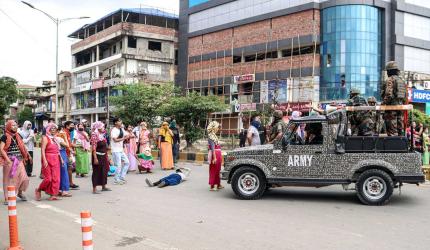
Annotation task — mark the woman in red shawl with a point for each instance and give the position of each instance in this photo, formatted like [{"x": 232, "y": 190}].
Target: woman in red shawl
[
  {"x": 50, "y": 164},
  {"x": 13, "y": 156}
]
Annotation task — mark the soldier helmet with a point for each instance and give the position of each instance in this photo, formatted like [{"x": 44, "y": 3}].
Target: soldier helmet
[
  {"x": 354, "y": 91},
  {"x": 278, "y": 114},
  {"x": 371, "y": 99},
  {"x": 391, "y": 65}
]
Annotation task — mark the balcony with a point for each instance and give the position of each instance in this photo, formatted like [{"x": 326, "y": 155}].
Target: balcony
[
  {"x": 41, "y": 109},
  {"x": 30, "y": 103}
]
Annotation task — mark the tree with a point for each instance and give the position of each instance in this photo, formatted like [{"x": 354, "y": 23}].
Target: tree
[
  {"x": 420, "y": 117},
  {"x": 25, "y": 115},
  {"x": 8, "y": 94},
  {"x": 141, "y": 101},
  {"x": 191, "y": 111}
]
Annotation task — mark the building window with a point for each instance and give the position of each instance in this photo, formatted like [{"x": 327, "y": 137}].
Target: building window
[
  {"x": 156, "y": 46},
  {"x": 154, "y": 69},
  {"x": 132, "y": 42},
  {"x": 176, "y": 57}
]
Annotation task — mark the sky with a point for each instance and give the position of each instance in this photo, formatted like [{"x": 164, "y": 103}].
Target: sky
[{"x": 27, "y": 44}]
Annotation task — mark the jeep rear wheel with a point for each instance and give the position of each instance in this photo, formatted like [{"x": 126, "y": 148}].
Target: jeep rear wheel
[
  {"x": 248, "y": 183},
  {"x": 374, "y": 187}
]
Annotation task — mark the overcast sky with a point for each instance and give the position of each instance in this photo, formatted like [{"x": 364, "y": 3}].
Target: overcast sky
[{"x": 27, "y": 44}]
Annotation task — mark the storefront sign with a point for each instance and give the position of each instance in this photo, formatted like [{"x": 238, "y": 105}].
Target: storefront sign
[
  {"x": 421, "y": 96},
  {"x": 82, "y": 87},
  {"x": 296, "y": 106},
  {"x": 244, "y": 78},
  {"x": 97, "y": 84},
  {"x": 248, "y": 107}
]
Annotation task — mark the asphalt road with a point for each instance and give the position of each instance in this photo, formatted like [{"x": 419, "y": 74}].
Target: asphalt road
[{"x": 188, "y": 216}]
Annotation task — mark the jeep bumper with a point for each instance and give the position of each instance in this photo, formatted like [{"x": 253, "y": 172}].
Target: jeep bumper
[
  {"x": 413, "y": 179},
  {"x": 224, "y": 175}
]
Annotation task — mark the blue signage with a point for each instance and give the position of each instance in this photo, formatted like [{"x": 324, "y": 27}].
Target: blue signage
[{"x": 422, "y": 96}]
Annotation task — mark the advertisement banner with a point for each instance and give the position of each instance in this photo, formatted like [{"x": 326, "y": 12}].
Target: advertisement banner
[
  {"x": 97, "y": 84},
  {"x": 264, "y": 92},
  {"x": 248, "y": 107},
  {"x": 278, "y": 91}
]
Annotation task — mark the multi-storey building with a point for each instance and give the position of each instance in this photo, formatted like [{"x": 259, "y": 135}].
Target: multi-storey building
[
  {"x": 123, "y": 47},
  {"x": 45, "y": 108},
  {"x": 64, "y": 96},
  {"x": 25, "y": 91},
  {"x": 296, "y": 52}
]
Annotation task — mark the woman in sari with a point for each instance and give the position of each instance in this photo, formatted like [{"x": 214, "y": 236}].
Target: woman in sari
[
  {"x": 13, "y": 157},
  {"x": 82, "y": 142},
  {"x": 64, "y": 174},
  {"x": 145, "y": 144},
  {"x": 131, "y": 148},
  {"x": 214, "y": 156},
  {"x": 51, "y": 164},
  {"x": 100, "y": 160},
  {"x": 165, "y": 141}
]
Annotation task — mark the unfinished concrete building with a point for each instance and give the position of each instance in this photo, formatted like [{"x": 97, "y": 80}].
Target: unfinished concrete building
[{"x": 124, "y": 47}]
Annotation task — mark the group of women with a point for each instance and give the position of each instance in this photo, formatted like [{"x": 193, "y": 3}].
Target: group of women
[{"x": 55, "y": 160}]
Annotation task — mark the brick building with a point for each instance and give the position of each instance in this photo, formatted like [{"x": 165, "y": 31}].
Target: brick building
[
  {"x": 293, "y": 52},
  {"x": 124, "y": 47}
]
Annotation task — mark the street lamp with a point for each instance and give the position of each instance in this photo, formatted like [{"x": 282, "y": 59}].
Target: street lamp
[{"x": 57, "y": 23}]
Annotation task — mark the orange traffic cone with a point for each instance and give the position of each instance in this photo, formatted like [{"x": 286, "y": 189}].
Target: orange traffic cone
[{"x": 13, "y": 220}]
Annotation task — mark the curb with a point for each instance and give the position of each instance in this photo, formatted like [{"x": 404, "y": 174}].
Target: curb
[{"x": 187, "y": 157}]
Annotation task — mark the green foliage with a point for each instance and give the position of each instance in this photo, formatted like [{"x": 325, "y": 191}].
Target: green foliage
[
  {"x": 420, "y": 117},
  {"x": 25, "y": 115},
  {"x": 191, "y": 112},
  {"x": 141, "y": 102},
  {"x": 8, "y": 94}
]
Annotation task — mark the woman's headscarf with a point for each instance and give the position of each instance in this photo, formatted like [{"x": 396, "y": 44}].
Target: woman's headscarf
[
  {"x": 50, "y": 136},
  {"x": 212, "y": 131},
  {"x": 81, "y": 136},
  {"x": 13, "y": 135},
  {"x": 25, "y": 126},
  {"x": 96, "y": 135},
  {"x": 165, "y": 132}
]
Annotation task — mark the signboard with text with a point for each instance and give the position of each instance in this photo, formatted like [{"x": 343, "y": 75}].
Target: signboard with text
[
  {"x": 244, "y": 78},
  {"x": 417, "y": 95}
]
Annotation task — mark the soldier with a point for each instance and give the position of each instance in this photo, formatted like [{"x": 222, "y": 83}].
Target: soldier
[
  {"x": 376, "y": 117},
  {"x": 393, "y": 92},
  {"x": 361, "y": 122},
  {"x": 278, "y": 127}
]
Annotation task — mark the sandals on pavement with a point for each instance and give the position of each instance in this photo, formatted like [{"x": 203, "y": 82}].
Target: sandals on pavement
[
  {"x": 38, "y": 195},
  {"x": 54, "y": 198},
  {"x": 22, "y": 197},
  {"x": 106, "y": 189}
]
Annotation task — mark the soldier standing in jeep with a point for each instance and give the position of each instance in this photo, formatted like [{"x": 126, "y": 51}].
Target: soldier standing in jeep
[{"x": 393, "y": 92}]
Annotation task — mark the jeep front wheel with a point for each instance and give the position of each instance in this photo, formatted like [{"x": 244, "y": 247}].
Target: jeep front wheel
[
  {"x": 248, "y": 183},
  {"x": 374, "y": 187}
]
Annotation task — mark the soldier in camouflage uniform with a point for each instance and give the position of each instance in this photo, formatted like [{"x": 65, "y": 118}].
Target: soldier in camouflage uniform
[
  {"x": 278, "y": 127},
  {"x": 393, "y": 92},
  {"x": 361, "y": 122},
  {"x": 379, "y": 127}
]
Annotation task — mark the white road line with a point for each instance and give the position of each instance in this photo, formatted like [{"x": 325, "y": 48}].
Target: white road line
[{"x": 101, "y": 226}]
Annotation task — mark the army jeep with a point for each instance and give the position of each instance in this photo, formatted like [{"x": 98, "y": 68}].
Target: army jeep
[{"x": 374, "y": 164}]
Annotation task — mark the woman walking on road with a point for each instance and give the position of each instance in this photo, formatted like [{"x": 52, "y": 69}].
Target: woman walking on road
[
  {"x": 64, "y": 175},
  {"x": 131, "y": 147},
  {"x": 82, "y": 142},
  {"x": 165, "y": 141},
  {"x": 214, "y": 156},
  {"x": 100, "y": 157},
  {"x": 13, "y": 157},
  {"x": 50, "y": 164}
]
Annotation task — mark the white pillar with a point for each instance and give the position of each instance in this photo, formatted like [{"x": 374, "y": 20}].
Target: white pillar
[
  {"x": 97, "y": 116},
  {"x": 97, "y": 98}
]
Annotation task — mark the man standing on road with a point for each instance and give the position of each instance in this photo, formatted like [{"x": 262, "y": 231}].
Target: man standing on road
[
  {"x": 27, "y": 135},
  {"x": 393, "y": 92},
  {"x": 253, "y": 135},
  {"x": 117, "y": 148},
  {"x": 69, "y": 127},
  {"x": 278, "y": 127}
]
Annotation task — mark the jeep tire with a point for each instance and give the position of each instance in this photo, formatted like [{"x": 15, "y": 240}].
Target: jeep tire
[
  {"x": 248, "y": 183},
  {"x": 374, "y": 187}
]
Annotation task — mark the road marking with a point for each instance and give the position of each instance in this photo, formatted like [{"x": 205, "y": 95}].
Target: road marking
[{"x": 128, "y": 238}]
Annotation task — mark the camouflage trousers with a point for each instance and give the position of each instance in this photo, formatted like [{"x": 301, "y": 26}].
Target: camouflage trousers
[
  {"x": 394, "y": 123},
  {"x": 365, "y": 127}
]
